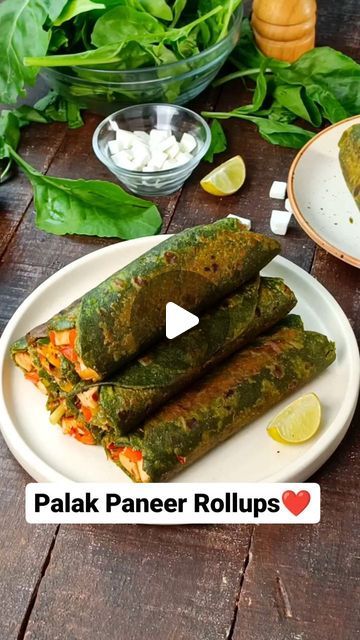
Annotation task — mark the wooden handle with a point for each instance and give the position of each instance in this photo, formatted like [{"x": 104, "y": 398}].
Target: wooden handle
[
  {"x": 284, "y": 29},
  {"x": 281, "y": 34},
  {"x": 287, "y": 51},
  {"x": 284, "y": 12}
]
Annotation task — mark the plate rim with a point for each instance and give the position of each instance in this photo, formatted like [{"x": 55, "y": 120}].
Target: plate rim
[
  {"x": 40, "y": 470},
  {"x": 314, "y": 235}
]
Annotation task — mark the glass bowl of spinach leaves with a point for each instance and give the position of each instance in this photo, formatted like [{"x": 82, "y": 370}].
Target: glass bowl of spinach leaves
[{"x": 155, "y": 51}]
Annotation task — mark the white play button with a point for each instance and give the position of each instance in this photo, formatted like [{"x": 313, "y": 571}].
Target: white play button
[{"x": 178, "y": 320}]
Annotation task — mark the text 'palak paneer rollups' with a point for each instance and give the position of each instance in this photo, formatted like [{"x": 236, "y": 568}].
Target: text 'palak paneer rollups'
[
  {"x": 116, "y": 320},
  {"x": 222, "y": 402},
  {"x": 120, "y": 405}
]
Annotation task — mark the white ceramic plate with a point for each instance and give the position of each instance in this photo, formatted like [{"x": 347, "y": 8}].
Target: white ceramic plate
[
  {"x": 251, "y": 455},
  {"x": 320, "y": 198}
]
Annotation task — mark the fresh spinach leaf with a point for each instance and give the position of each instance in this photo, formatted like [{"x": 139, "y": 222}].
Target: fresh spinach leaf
[
  {"x": 229, "y": 10},
  {"x": 9, "y": 134},
  {"x": 323, "y": 83},
  {"x": 259, "y": 94},
  {"x": 218, "y": 141},
  {"x": 124, "y": 24},
  {"x": 22, "y": 34},
  {"x": 326, "y": 72},
  {"x": 54, "y": 8},
  {"x": 246, "y": 55},
  {"x": 158, "y": 9},
  {"x": 178, "y": 8},
  {"x": 115, "y": 53},
  {"x": 295, "y": 99},
  {"x": 9, "y": 130},
  {"x": 55, "y": 108},
  {"x": 75, "y": 8},
  {"x": 26, "y": 114},
  {"x": 58, "y": 39},
  {"x": 103, "y": 55},
  {"x": 87, "y": 207},
  {"x": 274, "y": 131}
]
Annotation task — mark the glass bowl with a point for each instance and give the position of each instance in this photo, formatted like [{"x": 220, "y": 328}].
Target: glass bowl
[
  {"x": 103, "y": 91},
  {"x": 144, "y": 117}
]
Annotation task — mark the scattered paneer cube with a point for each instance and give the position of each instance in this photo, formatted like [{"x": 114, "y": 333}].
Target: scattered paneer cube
[
  {"x": 278, "y": 190},
  {"x": 279, "y": 221}
]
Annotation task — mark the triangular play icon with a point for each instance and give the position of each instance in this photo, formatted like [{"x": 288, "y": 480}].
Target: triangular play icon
[{"x": 178, "y": 320}]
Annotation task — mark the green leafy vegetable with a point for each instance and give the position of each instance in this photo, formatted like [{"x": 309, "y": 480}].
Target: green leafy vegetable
[
  {"x": 218, "y": 141},
  {"x": 158, "y": 9},
  {"x": 322, "y": 84},
  {"x": 124, "y": 24},
  {"x": 54, "y": 8},
  {"x": 55, "y": 108},
  {"x": 327, "y": 75},
  {"x": 9, "y": 130},
  {"x": 74, "y": 8},
  {"x": 178, "y": 8},
  {"x": 86, "y": 207},
  {"x": 295, "y": 99},
  {"x": 51, "y": 108},
  {"x": 106, "y": 35},
  {"x": 273, "y": 131},
  {"x": 10, "y": 133},
  {"x": 22, "y": 34}
]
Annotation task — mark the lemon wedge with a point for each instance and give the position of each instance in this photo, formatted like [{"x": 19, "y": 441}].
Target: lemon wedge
[
  {"x": 225, "y": 179},
  {"x": 298, "y": 422}
]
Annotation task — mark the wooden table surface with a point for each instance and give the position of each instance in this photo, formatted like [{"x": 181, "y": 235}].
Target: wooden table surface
[{"x": 191, "y": 582}]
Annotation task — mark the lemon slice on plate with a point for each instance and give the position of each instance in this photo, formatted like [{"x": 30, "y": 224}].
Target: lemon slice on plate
[
  {"x": 298, "y": 422},
  {"x": 226, "y": 179}
]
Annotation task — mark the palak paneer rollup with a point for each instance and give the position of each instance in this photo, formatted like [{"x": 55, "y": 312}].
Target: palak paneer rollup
[
  {"x": 121, "y": 404},
  {"x": 98, "y": 334},
  {"x": 240, "y": 390},
  {"x": 349, "y": 158}
]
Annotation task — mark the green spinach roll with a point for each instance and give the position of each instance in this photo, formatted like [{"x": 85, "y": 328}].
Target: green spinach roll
[
  {"x": 240, "y": 390},
  {"x": 349, "y": 158},
  {"x": 96, "y": 335},
  {"x": 148, "y": 382}
]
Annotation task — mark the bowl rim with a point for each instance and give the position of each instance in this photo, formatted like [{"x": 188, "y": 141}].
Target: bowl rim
[
  {"x": 156, "y": 174},
  {"x": 236, "y": 22}
]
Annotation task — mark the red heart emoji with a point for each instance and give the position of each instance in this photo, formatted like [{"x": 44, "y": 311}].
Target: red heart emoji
[{"x": 296, "y": 502}]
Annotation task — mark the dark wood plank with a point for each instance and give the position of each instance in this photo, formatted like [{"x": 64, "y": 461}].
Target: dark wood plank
[
  {"x": 24, "y": 548},
  {"x": 134, "y": 582},
  {"x": 338, "y": 26},
  {"x": 38, "y": 145}
]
